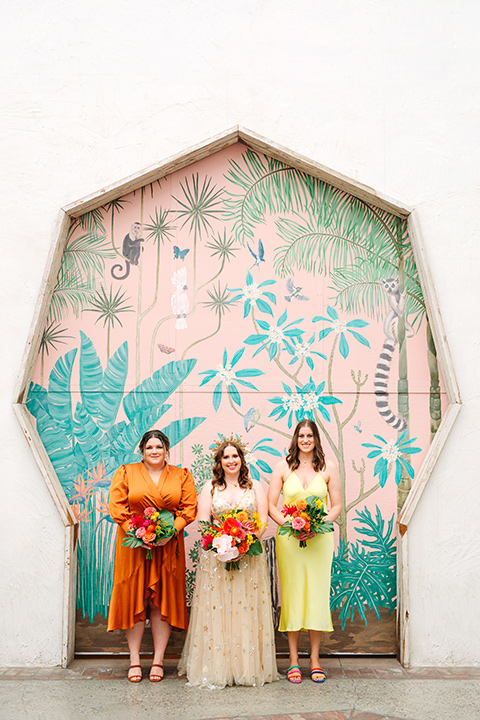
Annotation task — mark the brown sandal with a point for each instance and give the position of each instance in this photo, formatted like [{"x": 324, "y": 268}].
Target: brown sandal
[
  {"x": 156, "y": 677},
  {"x": 134, "y": 678}
]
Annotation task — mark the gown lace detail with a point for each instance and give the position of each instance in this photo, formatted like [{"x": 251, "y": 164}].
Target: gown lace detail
[{"x": 230, "y": 640}]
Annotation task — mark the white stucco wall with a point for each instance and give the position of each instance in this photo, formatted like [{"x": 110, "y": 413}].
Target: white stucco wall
[{"x": 383, "y": 91}]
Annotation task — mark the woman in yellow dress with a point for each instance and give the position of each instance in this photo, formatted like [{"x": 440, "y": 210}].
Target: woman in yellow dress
[{"x": 305, "y": 571}]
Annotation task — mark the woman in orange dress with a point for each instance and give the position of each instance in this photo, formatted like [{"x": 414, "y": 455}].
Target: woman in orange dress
[{"x": 155, "y": 586}]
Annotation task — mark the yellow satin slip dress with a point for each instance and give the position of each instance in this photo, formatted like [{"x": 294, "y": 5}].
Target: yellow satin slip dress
[{"x": 305, "y": 572}]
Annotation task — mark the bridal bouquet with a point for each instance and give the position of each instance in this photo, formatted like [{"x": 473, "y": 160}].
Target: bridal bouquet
[
  {"x": 145, "y": 530},
  {"x": 231, "y": 535},
  {"x": 305, "y": 516}
]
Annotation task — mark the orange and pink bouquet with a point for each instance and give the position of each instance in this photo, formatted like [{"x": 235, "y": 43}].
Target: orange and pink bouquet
[
  {"x": 231, "y": 535},
  {"x": 304, "y": 517},
  {"x": 145, "y": 530}
]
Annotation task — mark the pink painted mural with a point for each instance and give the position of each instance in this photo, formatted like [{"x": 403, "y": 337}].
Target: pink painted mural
[{"x": 239, "y": 295}]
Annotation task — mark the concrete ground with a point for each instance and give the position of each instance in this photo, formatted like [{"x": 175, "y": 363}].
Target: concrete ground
[{"x": 356, "y": 689}]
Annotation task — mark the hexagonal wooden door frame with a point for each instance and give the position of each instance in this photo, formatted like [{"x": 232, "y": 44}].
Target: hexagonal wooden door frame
[{"x": 177, "y": 162}]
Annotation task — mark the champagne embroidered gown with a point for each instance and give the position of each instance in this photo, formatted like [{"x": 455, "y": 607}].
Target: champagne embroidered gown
[
  {"x": 305, "y": 572},
  {"x": 230, "y": 640}
]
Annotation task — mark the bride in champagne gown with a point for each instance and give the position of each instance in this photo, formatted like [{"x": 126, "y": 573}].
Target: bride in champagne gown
[{"x": 230, "y": 640}]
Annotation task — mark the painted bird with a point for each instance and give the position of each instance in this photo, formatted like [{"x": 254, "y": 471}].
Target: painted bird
[
  {"x": 251, "y": 418},
  {"x": 294, "y": 291},
  {"x": 180, "y": 301},
  {"x": 259, "y": 255}
]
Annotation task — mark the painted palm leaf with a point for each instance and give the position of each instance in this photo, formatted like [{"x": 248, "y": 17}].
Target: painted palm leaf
[
  {"x": 359, "y": 289},
  {"x": 59, "y": 397},
  {"x": 84, "y": 256},
  {"x": 88, "y": 436},
  {"x": 71, "y": 292},
  {"x": 265, "y": 186},
  {"x": 91, "y": 375},
  {"x": 157, "y": 389},
  {"x": 59, "y": 449}
]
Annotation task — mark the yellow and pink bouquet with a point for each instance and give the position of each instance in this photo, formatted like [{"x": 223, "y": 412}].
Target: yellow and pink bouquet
[
  {"x": 305, "y": 516},
  {"x": 232, "y": 535},
  {"x": 145, "y": 530}
]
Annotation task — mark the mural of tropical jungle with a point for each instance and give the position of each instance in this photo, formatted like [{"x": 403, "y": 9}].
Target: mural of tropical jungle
[{"x": 240, "y": 295}]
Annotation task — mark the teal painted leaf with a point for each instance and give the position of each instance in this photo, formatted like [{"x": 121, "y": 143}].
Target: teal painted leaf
[
  {"x": 113, "y": 385},
  {"x": 91, "y": 375},
  {"x": 59, "y": 449},
  {"x": 59, "y": 397},
  {"x": 332, "y": 312},
  {"x": 234, "y": 394},
  {"x": 217, "y": 396},
  {"x": 343, "y": 346},
  {"x": 87, "y": 435},
  {"x": 264, "y": 306},
  {"x": 361, "y": 339},
  {"x": 178, "y": 430},
  {"x": 255, "y": 339},
  {"x": 357, "y": 323},
  {"x": 155, "y": 390},
  {"x": 237, "y": 357}
]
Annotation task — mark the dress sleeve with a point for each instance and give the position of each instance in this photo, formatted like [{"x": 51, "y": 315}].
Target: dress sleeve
[
  {"x": 118, "y": 500},
  {"x": 187, "y": 507}
]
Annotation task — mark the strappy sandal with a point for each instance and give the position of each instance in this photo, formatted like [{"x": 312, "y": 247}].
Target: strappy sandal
[
  {"x": 156, "y": 677},
  {"x": 134, "y": 678},
  {"x": 294, "y": 674},
  {"x": 318, "y": 671}
]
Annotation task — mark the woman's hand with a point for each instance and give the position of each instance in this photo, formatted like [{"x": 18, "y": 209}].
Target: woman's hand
[
  {"x": 160, "y": 543},
  {"x": 306, "y": 536}
]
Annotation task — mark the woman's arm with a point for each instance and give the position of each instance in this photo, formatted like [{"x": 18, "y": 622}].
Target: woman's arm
[
  {"x": 334, "y": 490},
  {"x": 205, "y": 502},
  {"x": 262, "y": 505},
  {"x": 187, "y": 507},
  {"x": 118, "y": 506},
  {"x": 276, "y": 484}
]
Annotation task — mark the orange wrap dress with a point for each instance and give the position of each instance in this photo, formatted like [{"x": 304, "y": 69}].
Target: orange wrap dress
[{"x": 161, "y": 579}]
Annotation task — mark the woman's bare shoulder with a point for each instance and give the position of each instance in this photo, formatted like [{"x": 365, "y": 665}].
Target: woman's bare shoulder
[
  {"x": 281, "y": 467},
  {"x": 330, "y": 467}
]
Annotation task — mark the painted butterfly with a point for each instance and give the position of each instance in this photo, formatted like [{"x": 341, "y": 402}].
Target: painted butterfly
[
  {"x": 179, "y": 254},
  {"x": 166, "y": 349}
]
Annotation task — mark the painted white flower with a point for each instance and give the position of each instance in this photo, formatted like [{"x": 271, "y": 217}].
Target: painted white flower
[
  {"x": 226, "y": 373},
  {"x": 339, "y": 326},
  {"x": 390, "y": 452},
  {"x": 310, "y": 401},
  {"x": 250, "y": 458},
  {"x": 276, "y": 334},
  {"x": 251, "y": 292}
]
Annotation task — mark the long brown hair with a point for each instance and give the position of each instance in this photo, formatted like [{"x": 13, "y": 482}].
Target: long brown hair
[
  {"x": 318, "y": 455},
  {"x": 219, "y": 481}
]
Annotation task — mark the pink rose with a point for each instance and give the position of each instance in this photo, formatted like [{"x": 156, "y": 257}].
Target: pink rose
[
  {"x": 149, "y": 538},
  {"x": 148, "y": 512},
  {"x": 298, "y": 523},
  {"x": 140, "y": 532},
  {"x": 223, "y": 546}
]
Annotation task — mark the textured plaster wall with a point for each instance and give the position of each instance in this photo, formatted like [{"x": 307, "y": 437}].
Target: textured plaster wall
[{"x": 385, "y": 92}]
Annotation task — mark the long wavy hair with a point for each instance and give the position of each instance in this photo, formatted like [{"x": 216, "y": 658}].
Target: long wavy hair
[
  {"x": 293, "y": 451},
  {"x": 219, "y": 481},
  {"x": 158, "y": 435}
]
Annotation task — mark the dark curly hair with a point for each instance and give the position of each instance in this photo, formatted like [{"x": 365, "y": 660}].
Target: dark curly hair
[
  {"x": 219, "y": 481},
  {"x": 318, "y": 455},
  {"x": 154, "y": 434}
]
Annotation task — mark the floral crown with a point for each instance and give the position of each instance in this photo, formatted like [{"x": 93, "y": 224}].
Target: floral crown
[{"x": 237, "y": 439}]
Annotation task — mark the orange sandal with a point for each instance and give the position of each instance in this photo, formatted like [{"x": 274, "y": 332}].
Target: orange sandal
[
  {"x": 318, "y": 671},
  {"x": 156, "y": 677},
  {"x": 294, "y": 675},
  {"x": 135, "y": 678}
]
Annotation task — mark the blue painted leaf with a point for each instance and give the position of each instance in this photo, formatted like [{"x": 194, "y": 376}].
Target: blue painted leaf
[
  {"x": 155, "y": 390},
  {"x": 87, "y": 435},
  {"x": 269, "y": 450},
  {"x": 207, "y": 378},
  {"x": 332, "y": 312},
  {"x": 225, "y": 357},
  {"x": 343, "y": 346},
  {"x": 247, "y": 307},
  {"x": 264, "y": 466},
  {"x": 319, "y": 318},
  {"x": 255, "y": 339},
  {"x": 357, "y": 323},
  {"x": 217, "y": 396},
  {"x": 324, "y": 412},
  {"x": 323, "y": 333},
  {"x": 369, "y": 445},
  {"x": 272, "y": 350},
  {"x": 379, "y": 437},
  {"x": 263, "y": 324},
  {"x": 249, "y": 278},
  {"x": 270, "y": 296},
  {"x": 398, "y": 473},
  {"x": 287, "y": 388},
  {"x": 234, "y": 394},
  {"x": 282, "y": 318},
  {"x": 245, "y": 383},
  {"x": 59, "y": 449},
  {"x": 361, "y": 339},
  {"x": 411, "y": 450},
  {"x": 254, "y": 472},
  {"x": 267, "y": 282},
  {"x": 264, "y": 306},
  {"x": 328, "y": 400},
  {"x": 373, "y": 453},
  {"x": 249, "y": 372},
  {"x": 237, "y": 357},
  {"x": 314, "y": 352},
  {"x": 407, "y": 467},
  {"x": 276, "y": 400}
]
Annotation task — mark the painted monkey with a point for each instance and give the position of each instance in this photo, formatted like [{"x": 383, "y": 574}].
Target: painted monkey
[{"x": 131, "y": 250}]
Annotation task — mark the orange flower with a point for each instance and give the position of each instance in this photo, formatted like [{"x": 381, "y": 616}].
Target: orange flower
[
  {"x": 232, "y": 527},
  {"x": 149, "y": 537},
  {"x": 242, "y": 548},
  {"x": 302, "y": 505},
  {"x": 242, "y": 516}
]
